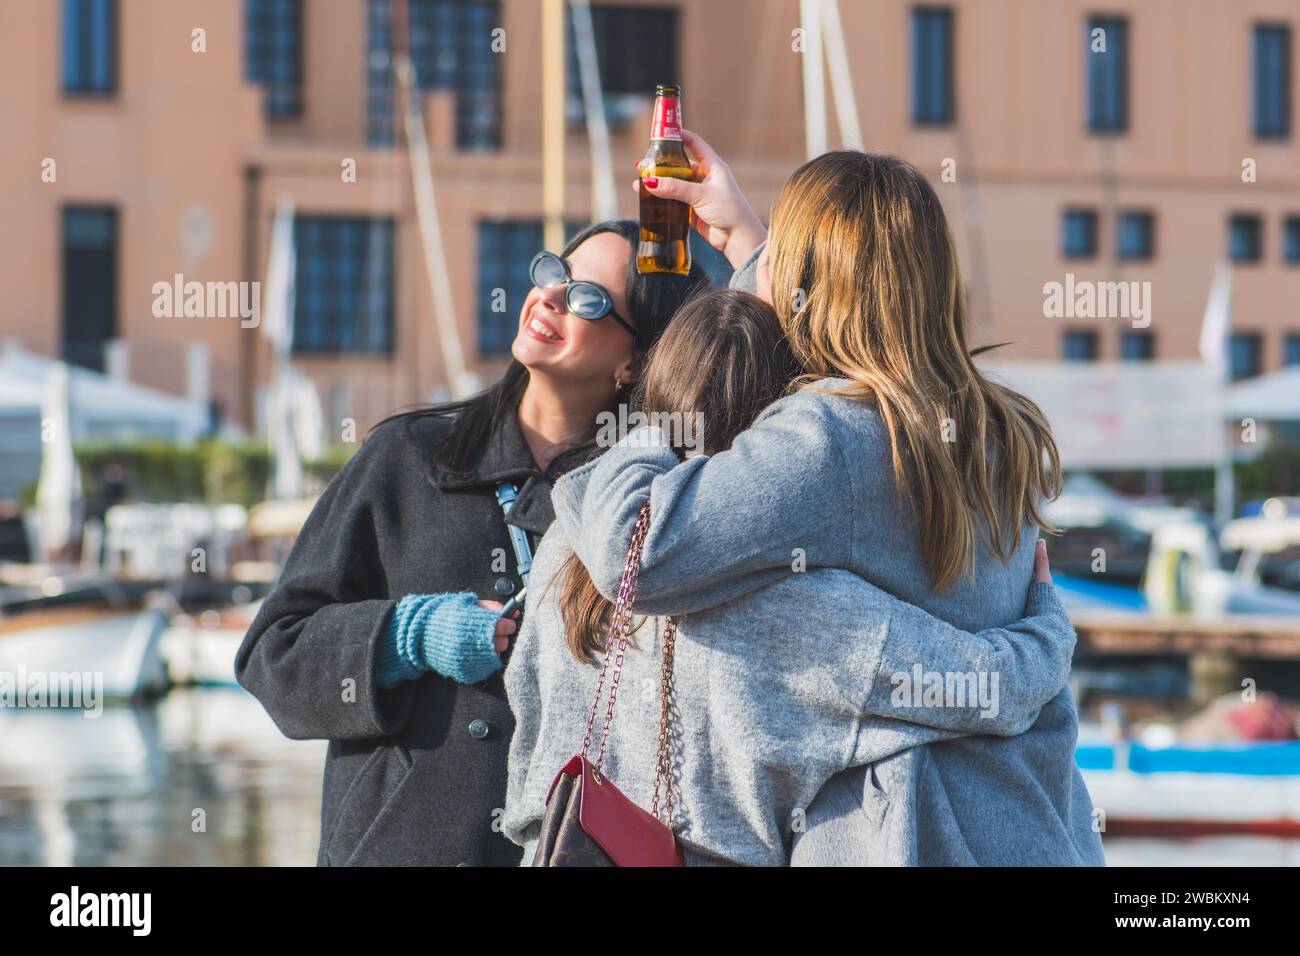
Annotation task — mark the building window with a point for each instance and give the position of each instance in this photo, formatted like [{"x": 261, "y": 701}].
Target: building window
[
  {"x": 1291, "y": 239},
  {"x": 505, "y": 248},
  {"x": 1245, "y": 238},
  {"x": 1137, "y": 345},
  {"x": 636, "y": 49},
  {"x": 1272, "y": 82},
  {"x": 450, "y": 47},
  {"x": 273, "y": 53},
  {"x": 343, "y": 284},
  {"x": 504, "y": 251},
  {"x": 1107, "y": 59},
  {"x": 1079, "y": 234},
  {"x": 1291, "y": 348},
  {"x": 1244, "y": 349},
  {"x": 380, "y": 122},
  {"x": 932, "y": 66},
  {"x": 89, "y": 283},
  {"x": 90, "y": 46},
  {"x": 1136, "y": 235},
  {"x": 1079, "y": 345}
]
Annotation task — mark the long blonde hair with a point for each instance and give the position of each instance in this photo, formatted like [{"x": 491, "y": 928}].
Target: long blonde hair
[{"x": 866, "y": 285}]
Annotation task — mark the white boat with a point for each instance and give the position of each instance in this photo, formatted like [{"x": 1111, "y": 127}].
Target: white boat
[
  {"x": 201, "y": 649},
  {"x": 1263, "y": 541},
  {"x": 120, "y": 648},
  {"x": 1191, "y": 790}
]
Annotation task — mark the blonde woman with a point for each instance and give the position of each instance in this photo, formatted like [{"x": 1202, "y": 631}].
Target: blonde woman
[
  {"x": 897, "y": 460},
  {"x": 767, "y": 708}
]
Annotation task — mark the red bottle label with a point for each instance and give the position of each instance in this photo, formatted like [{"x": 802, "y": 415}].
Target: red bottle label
[{"x": 667, "y": 122}]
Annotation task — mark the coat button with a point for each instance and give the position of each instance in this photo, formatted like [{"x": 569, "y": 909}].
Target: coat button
[
  {"x": 478, "y": 729},
  {"x": 505, "y": 586}
]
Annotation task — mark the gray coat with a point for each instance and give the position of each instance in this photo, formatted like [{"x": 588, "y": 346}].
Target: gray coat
[
  {"x": 813, "y": 479},
  {"x": 773, "y": 693}
]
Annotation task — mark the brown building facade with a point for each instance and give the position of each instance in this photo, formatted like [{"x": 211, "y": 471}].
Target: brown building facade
[{"x": 150, "y": 138}]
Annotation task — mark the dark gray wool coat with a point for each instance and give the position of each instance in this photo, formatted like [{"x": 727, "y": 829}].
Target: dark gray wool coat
[{"x": 416, "y": 774}]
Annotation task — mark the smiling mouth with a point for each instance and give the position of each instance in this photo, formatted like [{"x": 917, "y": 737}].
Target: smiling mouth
[{"x": 538, "y": 327}]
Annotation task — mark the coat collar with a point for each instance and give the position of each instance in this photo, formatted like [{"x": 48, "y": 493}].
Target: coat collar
[{"x": 505, "y": 457}]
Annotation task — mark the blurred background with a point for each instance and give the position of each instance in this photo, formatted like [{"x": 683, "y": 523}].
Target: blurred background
[{"x": 238, "y": 233}]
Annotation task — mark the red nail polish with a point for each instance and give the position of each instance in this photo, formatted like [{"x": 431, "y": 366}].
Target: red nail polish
[{"x": 651, "y": 182}]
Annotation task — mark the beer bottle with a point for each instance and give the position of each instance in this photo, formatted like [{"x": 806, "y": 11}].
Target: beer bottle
[{"x": 665, "y": 223}]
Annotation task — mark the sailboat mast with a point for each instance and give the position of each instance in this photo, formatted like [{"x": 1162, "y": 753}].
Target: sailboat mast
[
  {"x": 460, "y": 380},
  {"x": 553, "y": 123}
]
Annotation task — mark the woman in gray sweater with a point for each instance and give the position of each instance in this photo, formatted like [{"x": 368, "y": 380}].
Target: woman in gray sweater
[
  {"x": 777, "y": 690},
  {"x": 901, "y": 463}
]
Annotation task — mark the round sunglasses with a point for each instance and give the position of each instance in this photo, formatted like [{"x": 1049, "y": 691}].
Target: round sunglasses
[{"x": 584, "y": 299}]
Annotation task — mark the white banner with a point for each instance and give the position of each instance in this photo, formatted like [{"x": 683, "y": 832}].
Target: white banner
[{"x": 1125, "y": 414}]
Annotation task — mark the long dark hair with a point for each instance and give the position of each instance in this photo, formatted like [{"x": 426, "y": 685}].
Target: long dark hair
[
  {"x": 724, "y": 357},
  {"x": 651, "y": 300}
]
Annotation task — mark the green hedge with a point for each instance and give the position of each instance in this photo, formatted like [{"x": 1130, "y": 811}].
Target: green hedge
[
  {"x": 208, "y": 472},
  {"x": 1275, "y": 471}
]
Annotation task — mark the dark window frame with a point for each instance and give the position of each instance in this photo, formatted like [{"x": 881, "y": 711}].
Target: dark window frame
[
  {"x": 1073, "y": 335},
  {"x": 1271, "y": 123},
  {"x": 1246, "y": 219},
  {"x": 508, "y": 270},
  {"x": 1290, "y": 349},
  {"x": 654, "y": 58},
  {"x": 1255, "y": 343},
  {"x": 1145, "y": 353},
  {"x": 1148, "y": 250},
  {"x": 934, "y": 66},
  {"x": 1291, "y": 240},
  {"x": 82, "y": 340},
  {"x": 1091, "y": 221},
  {"x": 75, "y": 80},
  {"x": 333, "y": 318},
  {"x": 495, "y": 331},
  {"x": 1106, "y": 76},
  {"x": 263, "y": 30},
  {"x": 443, "y": 60}
]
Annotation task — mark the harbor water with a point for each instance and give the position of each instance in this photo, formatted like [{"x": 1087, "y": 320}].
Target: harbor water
[{"x": 202, "y": 777}]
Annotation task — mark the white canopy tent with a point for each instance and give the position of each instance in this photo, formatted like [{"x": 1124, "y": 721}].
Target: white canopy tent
[
  {"x": 100, "y": 408},
  {"x": 1274, "y": 397}
]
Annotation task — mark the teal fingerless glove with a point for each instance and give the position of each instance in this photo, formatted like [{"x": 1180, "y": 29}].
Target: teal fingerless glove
[{"x": 446, "y": 633}]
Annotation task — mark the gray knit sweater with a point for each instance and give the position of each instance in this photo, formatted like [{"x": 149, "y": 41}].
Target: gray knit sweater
[
  {"x": 812, "y": 480},
  {"x": 774, "y": 693}
]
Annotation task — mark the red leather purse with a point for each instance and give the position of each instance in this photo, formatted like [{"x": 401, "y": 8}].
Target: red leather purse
[{"x": 589, "y": 821}]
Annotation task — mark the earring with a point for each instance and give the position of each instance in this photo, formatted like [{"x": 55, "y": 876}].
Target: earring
[{"x": 618, "y": 386}]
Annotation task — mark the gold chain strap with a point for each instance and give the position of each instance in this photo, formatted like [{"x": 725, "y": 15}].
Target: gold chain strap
[
  {"x": 664, "y": 767},
  {"x": 616, "y": 640}
]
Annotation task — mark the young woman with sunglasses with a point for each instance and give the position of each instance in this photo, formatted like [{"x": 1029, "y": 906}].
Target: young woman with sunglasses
[{"x": 384, "y": 632}]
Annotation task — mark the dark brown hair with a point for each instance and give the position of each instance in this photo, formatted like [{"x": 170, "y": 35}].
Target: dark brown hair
[
  {"x": 721, "y": 361},
  {"x": 652, "y": 300}
]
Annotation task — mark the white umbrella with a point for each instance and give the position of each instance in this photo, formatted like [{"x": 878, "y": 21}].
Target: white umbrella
[
  {"x": 286, "y": 465},
  {"x": 1272, "y": 397},
  {"x": 277, "y": 325},
  {"x": 59, "y": 504}
]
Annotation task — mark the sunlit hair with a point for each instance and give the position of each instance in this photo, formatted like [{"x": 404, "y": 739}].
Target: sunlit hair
[
  {"x": 722, "y": 355},
  {"x": 866, "y": 286}
]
